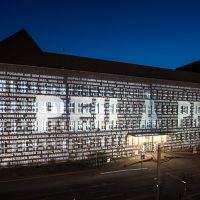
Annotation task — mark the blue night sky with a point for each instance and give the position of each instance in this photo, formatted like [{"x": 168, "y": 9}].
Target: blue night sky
[{"x": 164, "y": 33}]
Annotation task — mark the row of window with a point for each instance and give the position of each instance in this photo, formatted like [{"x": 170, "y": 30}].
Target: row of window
[
  {"x": 103, "y": 141},
  {"x": 30, "y": 146},
  {"x": 32, "y": 126},
  {"x": 32, "y": 87},
  {"x": 150, "y": 93},
  {"x": 31, "y": 107},
  {"x": 89, "y": 125},
  {"x": 130, "y": 124},
  {"x": 90, "y": 108}
]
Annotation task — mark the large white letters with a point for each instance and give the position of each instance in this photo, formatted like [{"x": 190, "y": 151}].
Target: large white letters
[{"x": 48, "y": 107}]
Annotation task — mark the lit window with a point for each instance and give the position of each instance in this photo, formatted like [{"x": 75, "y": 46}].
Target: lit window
[
  {"x": 1, "y": 126},
  {"x": 43, "y": 88},
  {"x": 184, "y": 110},
  {"x": 44, "y": 125},
  {"x": 33, "y": 87},
  {"x": 198, "y": 110},
  {"x": 23, "y": 106},
  {"x": 63, "y": 90},
  {"x": 35, "y": 107},
  {"x": 23, "y": 86},
  {"x": 54, "y": 89},
  {"x": 2, "y": 106},
  {"x": 71, "y": 107},
  {"x": 87, "y": 125},
  {"x": 111, "y": 108},
  {"x": 80, "y": 107},
  {"x": 3, "y": 85},
  {"x": 71, "y": 125},
  {"x": 87, "y": 108},
  {"x": 48, "y": 107},
  {"x": 34, "y": 126},
  {"x": 13, "y": 86},
  {"x": 23, "y": 125},
  {"x": 111, "y": 124},
  {"x": 79, "y": 89},
  {"x": 103, "y": 125},
  {"x": 149, "y": 123},
  {"x": 80, "y": 125},
  {"x": 13, "y": 107}
]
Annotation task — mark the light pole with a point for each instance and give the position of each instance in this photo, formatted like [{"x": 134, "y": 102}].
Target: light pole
[
  {"x": 185, "y": 188},
  {"x": 158, "y": 173}
]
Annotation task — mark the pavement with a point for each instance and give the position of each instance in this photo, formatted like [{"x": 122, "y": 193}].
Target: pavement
[{"x": 78, "y": 168}]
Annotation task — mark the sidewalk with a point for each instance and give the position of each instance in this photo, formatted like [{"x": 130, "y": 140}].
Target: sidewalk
[
  {"x": 70, "y": 167},
  {"x": 78, "y": 168}
]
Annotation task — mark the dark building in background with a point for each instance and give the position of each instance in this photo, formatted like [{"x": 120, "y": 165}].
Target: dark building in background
[{"x": 56, "y": 107}]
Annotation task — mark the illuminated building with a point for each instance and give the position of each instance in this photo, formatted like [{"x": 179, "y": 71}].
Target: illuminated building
[{"x": 56, "y": 107}]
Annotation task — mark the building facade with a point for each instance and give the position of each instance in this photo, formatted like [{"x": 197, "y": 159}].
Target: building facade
[{"x": 51, "y": 114}]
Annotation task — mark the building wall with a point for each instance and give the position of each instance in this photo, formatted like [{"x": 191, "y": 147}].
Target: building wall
[{"x": 52, "y": 115}]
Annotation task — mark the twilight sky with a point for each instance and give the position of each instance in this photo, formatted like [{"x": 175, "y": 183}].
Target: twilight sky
[{"x": 163, "y": 33}]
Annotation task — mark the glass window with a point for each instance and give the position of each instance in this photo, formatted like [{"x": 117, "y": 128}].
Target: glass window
[
  {"x": 13, "y": 86},
  {"x": 23, "y": 86},
  {"x": 33, "y": 87},
  {"x": 63, "y": 90},
  {"x": 111, "y": 124},
  {"x": 79, "y": 89},
  {"x": 88, "y": 125},
  {"x": 53, "y": 89},
  {"x": 43, "y": 88},
  {"x": 34, "y": 126},
  {"x": 3, "y": 85},
  {"x": 103, "y": 125},
  {"x": 111, "y": 108},
  {"x": 80, "y": 125},
  {"x": 80, "y": 107},
  {"x": 71, "y": 125},
  {"x": 35, "y": 107},
  {"x": 87, "y": 108},
  {"x": 44, "y": 125},
  {"x": 184, "y": 110},
  {"x": 24, "y": 106},
  {"x": 13, "y": 107},
  {"x": 48, "y": 107},
  {"x": 71, "y": 107}
]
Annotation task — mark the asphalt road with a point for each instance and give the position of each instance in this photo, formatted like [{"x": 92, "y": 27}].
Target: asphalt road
[{"x": 179, "y": 180}]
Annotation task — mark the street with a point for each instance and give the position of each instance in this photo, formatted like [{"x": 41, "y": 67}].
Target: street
[{"x": 179, "y": 180}]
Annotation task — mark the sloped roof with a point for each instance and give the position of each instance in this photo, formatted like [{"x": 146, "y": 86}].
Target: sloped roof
[
  {"x": 21, "y": 49},
  {"x": 191, "y": 67},
  {"x": 20, "y": 42}
]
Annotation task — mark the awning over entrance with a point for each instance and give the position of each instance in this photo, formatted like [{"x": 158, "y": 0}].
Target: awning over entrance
[{"x": 146, "y": 143}]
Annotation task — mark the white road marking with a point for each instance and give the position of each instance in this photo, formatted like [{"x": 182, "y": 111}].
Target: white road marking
[
  {"x": 123, "y": 170},
  {"x": 175, "y": 177}
]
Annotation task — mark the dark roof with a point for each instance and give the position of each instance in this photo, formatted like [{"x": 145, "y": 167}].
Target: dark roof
[
  {"x": 20, "y": 42},
  {"x": 21, "y": 49},
  {"x": 191, "y": 67}
]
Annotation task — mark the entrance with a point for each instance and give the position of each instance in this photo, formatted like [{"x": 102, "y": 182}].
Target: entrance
[{"x": 145, "y": 143}]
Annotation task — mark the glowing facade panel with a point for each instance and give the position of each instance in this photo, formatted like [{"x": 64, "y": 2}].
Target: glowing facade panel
[{"x": 45, "y": 117}]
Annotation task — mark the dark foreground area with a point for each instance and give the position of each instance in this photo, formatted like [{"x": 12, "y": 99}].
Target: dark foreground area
[{"x": 123, "y": 180}]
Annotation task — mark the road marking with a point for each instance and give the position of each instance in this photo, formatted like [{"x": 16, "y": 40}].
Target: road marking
[
  {"x": 175, "y": 177},
  {"x": 123, "y": 170}
]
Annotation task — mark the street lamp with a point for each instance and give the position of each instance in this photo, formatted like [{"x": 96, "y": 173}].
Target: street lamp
[{"x": 158, "y": 173}]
